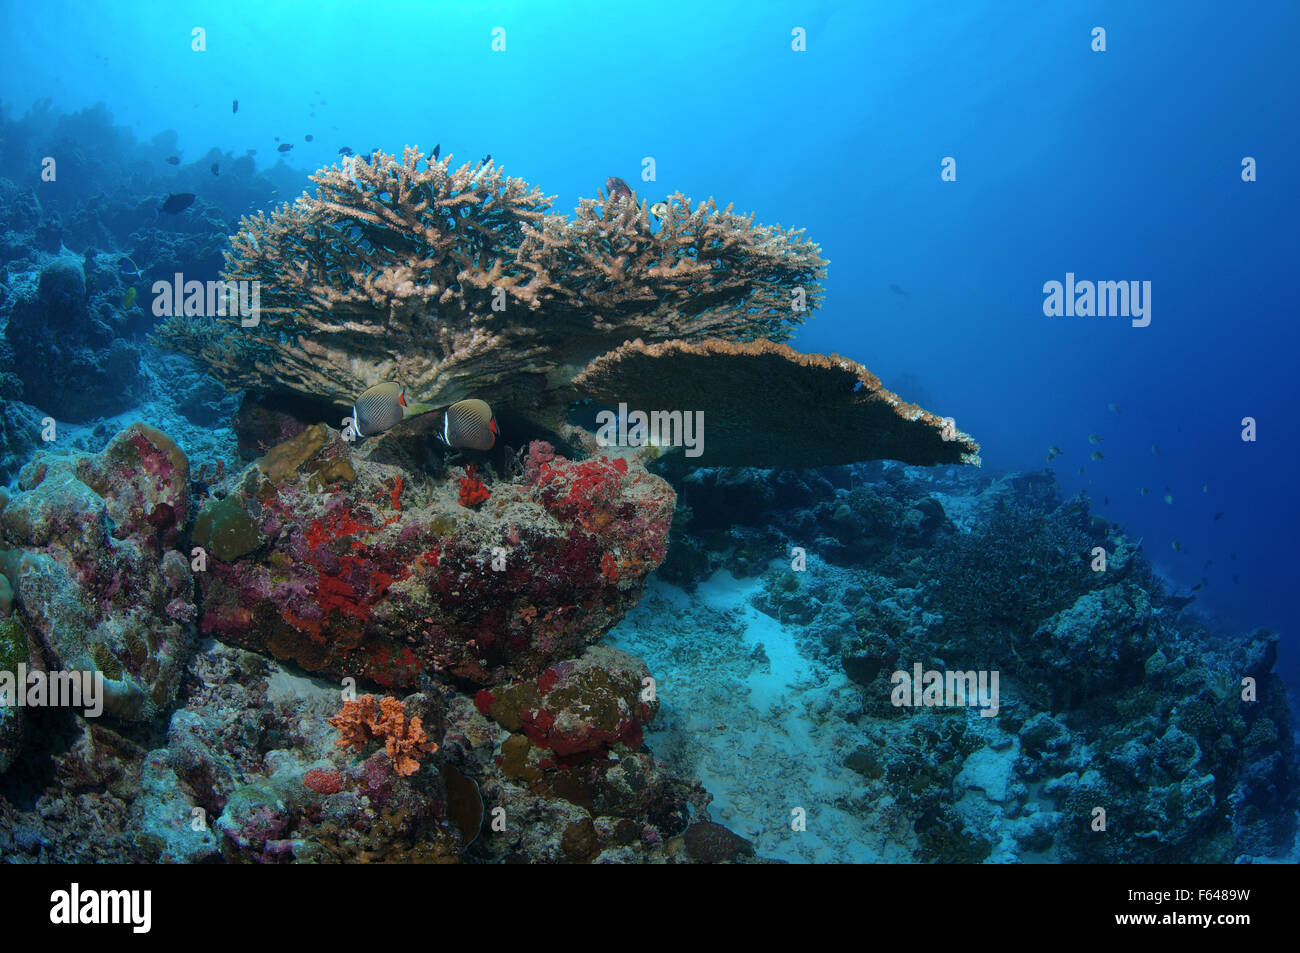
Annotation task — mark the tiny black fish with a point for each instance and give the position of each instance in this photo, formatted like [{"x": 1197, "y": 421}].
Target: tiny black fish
[
  {"x": 234, "y": 106},
  {"x": 276, "y": 138},
  {"x": 216, "y": 168},
  {"x": 1218, "y": 516},
  {"x": 307, "y": 138},
  {"x": 1236, "y": 579},
  {"x": 436, "y": 150},
  {"x": 487, "y": 158},
  {"x": 175, "y": 204},
  {"x": 1197, "y": 587},
  {"x": 173, "y": 160},
  {"x": 284, "y": 147},
  {"x": 345, "y": 150}
]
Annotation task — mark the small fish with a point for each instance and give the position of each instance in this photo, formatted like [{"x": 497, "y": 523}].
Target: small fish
[
  {"x": 659, "y": 210},
  {"x": 1052, "y": 453},
  {"x": 1169, "y": 498},
  {"x": 129, "y": 298},
  {"x": 284, "y": 147},
  {"x": 125, "y": 266},
  {"x": 173, "y": 160},
  {"x": 1155, "y": 449},
  {"x": 1145, "y": 491},
  {"x": 1094, "y": 438},
  {"x": 1096, "y": 455},
  {"x": 469, "y": 425},
  {"x": 1205, "y": 488},
  {"x": 345, "y": 150},
  {"x": 436, "y": 149},
  {"x": 487, "y": 158},
  {"x": 307, "y": 138},
  {"x": 1218, "y": 516},
  {"x": 216, "y": 168},
  {"x": 175, "y": 204},
  {"x": 1080, "y": 469},
  {"x": 1236, "y": 579},
  {"x": 1114, "y": 408},
  {"x": 1234, "y": 557},
  {"x": 379, "y": 408},
  {"x": 1107, "y": 501},
  {"x": 252, "y": 152},
  {"x": 276, "y": 138},
  {"x": 898, "y": 290},
  {"x": 1197, "y": 587},
  {"x": 618, "y": 189},
  {"x": 1178, "y": 547},
  {"x": 234, "y": 106}
]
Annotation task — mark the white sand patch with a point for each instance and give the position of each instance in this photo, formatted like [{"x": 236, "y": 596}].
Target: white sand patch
[{"x": 763, "y": 727}]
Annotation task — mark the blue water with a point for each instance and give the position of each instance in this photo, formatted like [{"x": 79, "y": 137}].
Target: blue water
[{"x": 1115, "y": 165}]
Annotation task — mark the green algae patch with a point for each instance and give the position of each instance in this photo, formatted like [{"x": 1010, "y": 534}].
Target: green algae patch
[
  {"x": 13, "y": 645},
  {"x": 225, "y": 529}
]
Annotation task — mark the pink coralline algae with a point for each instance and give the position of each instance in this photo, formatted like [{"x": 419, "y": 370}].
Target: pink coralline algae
[
  {"x": 86, "y": 545},
  {"x": 384, "y": 574}
]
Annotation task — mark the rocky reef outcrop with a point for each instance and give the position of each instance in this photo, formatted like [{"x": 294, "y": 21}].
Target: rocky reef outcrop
[{"x": 357, "y": 568}]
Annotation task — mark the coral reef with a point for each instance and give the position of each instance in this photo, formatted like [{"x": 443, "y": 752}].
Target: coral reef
[
  {"x": 459, "y": 281},
  {"x": 1113, "y": 693},
  {"x": 71, "y": 338},
  {"x": 56, "y": 340},
  {"x": 364, "y": 569}
]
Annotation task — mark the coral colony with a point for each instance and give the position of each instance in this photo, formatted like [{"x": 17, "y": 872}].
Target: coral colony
[{"x": 343, "y": 639}]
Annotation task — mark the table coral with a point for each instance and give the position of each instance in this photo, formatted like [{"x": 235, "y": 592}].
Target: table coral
[
  {"x": 830, "y": 409},
  {"x": 399, "y": 265}
]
